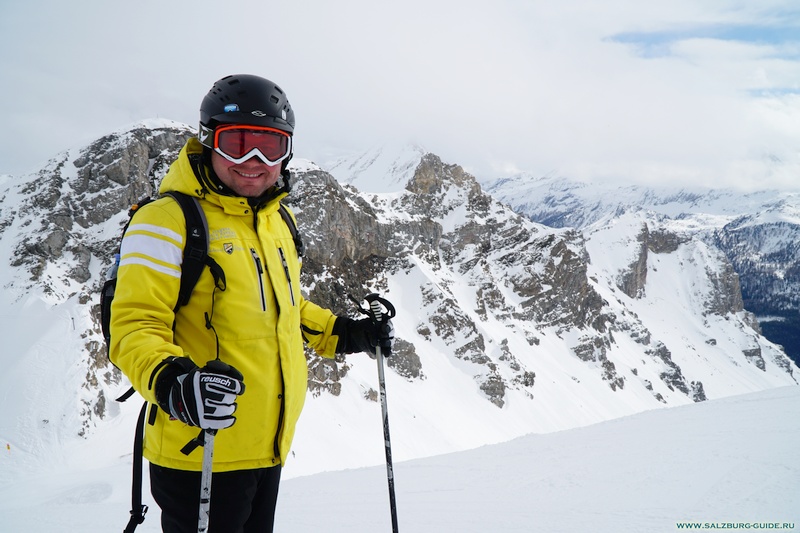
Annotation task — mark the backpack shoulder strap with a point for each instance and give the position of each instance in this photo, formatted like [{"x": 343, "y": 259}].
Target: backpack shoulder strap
[
  {"x": 292, "y": 223},
  {"x": 195, "y": 251}
]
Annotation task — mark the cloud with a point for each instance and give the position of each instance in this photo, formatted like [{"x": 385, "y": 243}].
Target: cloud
[{"x": 699, "y": 91}]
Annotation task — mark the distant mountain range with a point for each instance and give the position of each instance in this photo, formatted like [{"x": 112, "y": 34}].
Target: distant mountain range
[{"x": 759, "y": 232}]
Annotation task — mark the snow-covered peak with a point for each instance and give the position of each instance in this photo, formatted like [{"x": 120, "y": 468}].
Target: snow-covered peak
[
  {"x": 155, "y": 123},
  {"x": 383, "y": 168},
  {"x": 298, "y": 164}
]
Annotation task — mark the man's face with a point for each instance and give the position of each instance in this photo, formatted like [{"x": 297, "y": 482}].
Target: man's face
[{"x": 250, "y": 179}]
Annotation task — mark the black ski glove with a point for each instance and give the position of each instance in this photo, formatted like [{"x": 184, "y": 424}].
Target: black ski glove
[
  {"x": 202, "y": 397},
  {"x": 363, "y": 335}
]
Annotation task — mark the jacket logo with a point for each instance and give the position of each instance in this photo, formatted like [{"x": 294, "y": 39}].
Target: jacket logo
[{"x": 228, "y": 247}]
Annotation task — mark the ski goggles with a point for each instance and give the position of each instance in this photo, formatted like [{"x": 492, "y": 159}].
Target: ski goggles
[{"x": 238, "y": 143}]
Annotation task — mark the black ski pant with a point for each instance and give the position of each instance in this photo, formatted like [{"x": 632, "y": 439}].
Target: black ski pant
[{"x": 242, "y": 501}]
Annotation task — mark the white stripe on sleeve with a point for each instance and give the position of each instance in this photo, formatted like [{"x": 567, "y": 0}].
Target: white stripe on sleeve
[
  {"x": 158, "y": 230},
  {"x": 175, "y": 273},
  {"x": 149, "y": 250}
]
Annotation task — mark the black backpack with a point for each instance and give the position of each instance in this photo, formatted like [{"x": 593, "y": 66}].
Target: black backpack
[{"x": 195, "y": 259}]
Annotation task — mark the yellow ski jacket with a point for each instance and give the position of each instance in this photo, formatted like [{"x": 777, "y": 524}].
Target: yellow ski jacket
[{"x": 257, "y": 320}]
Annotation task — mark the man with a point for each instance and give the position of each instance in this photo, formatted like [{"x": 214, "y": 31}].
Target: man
[{"x": 232, "y": 358}]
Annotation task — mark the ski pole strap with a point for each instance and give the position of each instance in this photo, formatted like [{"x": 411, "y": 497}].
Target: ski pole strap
[
  {"x": 137, "y": 509},
  {"x": 195, "y": 443},
  {"x": 127, "y": 394}
]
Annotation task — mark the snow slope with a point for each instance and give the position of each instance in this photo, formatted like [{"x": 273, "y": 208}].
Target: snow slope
[{"x": 729, "y": 461}]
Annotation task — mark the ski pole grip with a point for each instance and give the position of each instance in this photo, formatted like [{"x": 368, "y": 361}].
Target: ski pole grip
[
  {"x": 377, "y": 305},
  {"x": 377, "y": 310}
]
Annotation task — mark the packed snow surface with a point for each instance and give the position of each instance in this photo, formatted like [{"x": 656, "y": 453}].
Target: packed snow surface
[{"x": 722, "y": 462}]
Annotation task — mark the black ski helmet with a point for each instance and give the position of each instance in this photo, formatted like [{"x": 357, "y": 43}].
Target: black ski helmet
[{"x": 244, "y": 99}]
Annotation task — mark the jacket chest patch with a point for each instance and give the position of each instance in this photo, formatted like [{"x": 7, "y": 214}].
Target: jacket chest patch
[
  {"x": 228, "y": 247},
  {"x": 222, "y": 233}
]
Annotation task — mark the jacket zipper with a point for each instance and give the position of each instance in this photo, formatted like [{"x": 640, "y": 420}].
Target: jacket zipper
[
  {"x": 288, "y": 277},
  {"x": 260, "y": 272}
]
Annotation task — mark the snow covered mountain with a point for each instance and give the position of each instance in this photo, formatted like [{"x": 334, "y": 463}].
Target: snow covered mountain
[
  {"x": 758, "y": 232},
  {"x": 382, "y": 168},
  {"x": 505, "y": 326}
]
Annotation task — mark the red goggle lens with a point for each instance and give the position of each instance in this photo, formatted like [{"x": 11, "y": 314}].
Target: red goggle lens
[{"x": 237, "y": 142}]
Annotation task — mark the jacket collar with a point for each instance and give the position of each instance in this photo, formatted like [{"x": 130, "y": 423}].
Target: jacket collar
[{"x": 189, "y": 174}]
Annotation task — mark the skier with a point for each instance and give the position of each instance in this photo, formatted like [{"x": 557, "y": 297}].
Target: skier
[{"x": 232, "y": 358}]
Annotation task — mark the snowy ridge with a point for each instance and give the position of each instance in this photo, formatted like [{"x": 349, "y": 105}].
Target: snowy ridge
[
  {"x": 384, "y": 168},
  {"x": 561, "y": 202}
]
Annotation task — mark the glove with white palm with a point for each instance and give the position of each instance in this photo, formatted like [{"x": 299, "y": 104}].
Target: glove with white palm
[{"x": 202, "y": 397}]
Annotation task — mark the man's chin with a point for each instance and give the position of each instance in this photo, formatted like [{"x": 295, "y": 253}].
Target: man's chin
[{"x": 252, "y": 191}]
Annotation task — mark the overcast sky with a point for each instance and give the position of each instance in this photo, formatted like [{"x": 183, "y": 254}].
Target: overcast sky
[{"x": 660, "y": 91}]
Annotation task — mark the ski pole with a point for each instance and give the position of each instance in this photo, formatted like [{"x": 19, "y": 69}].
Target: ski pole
[
  {"x": 205, "y": 481},
  {"x": 377, "y": 314},
  {"x": 219, "y": 367}
]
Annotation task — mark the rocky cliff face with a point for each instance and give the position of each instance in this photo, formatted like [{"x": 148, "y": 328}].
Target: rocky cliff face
[
  {"x": 445, "y": 221},
  {"x": 70, "y": 198},
  {"x": 765, "y": 254}
]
